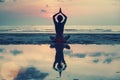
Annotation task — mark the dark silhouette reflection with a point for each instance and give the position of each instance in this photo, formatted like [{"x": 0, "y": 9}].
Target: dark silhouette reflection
[
  {"x": 59, "y": 63},
  {"x": 59, "y": 20}
]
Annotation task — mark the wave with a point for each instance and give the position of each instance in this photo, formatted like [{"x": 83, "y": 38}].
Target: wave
[{"x": 50, "y": 29}]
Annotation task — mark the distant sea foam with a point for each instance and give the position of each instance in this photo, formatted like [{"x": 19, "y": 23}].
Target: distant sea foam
[{"x": 51, "y": 29}]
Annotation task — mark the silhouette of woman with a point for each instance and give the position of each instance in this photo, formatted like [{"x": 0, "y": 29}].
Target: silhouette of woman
[
  {"x": 59, "y": 63},
  {"x": 59, "y": 20}
]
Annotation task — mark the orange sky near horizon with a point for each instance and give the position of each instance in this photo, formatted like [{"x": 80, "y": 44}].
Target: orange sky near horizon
[
  {"x": 47, "y": 8},
  {"x": 85, "y": 11}
]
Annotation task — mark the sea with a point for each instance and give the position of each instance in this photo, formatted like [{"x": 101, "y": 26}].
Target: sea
[{"x": 51, "y": 29}]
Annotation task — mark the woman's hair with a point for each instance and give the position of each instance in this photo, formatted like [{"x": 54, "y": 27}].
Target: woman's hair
[
  {"x": 60, "y": 66},
  {"x": 59, "y": 18}
]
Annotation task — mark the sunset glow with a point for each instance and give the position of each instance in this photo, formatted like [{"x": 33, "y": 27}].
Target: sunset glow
[{"x": 84, "y": 11}]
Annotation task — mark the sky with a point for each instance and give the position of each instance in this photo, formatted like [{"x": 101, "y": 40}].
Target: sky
[{"x": 40, "y": 12}]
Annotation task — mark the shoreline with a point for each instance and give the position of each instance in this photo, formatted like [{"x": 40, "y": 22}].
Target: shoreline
[{"x": 43, "y": 38}]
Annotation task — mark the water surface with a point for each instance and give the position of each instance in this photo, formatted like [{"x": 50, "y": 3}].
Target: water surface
[
  {"x": 84, "y": 62},
  {"x": 68, "y": 29}
]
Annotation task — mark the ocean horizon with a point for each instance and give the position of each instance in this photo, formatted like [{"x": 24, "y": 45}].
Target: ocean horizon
[{"x": 68, "y": 29}]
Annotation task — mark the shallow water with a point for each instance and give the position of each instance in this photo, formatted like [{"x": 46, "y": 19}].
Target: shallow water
[{"x": 84, "y": 62}]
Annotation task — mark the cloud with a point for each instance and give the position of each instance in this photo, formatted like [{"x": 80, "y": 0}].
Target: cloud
[
  {"x": 6, "y": 0},
  {"x": 80, "y": 55},
  {"x": 98, "y": 54},
  {"x": 96, "y": 61},
  {"x": 108, "y": 60},
  {"x": 60, "y": 0},
  {"x": 2, "y": 50},
  {"x": 1, "y": 57},
  {"x": 31, "y": 73},
  {"x": 75, "y": 79},
  {"x": 105, "y": 58},
  {"x": 47, "y": 5},
  {"x": 16, "y": 52},
  {"x": 118, "y": 72},
  {"x": 108, "y": 57},
  {"x": 64, "y": 0},
  {"x": 2, "y": 0},
  {"x": 77, "y": 55},
  {"x": 67, "y": 52},
  {"x": 43, "y": 10}
]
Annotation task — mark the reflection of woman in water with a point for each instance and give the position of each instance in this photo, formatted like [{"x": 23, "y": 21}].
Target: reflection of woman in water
[
  {"x": 59, "y": 21},
  {"x": 59, "y": 63}
]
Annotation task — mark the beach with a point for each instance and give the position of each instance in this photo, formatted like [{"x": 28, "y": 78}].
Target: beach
[
  {"x": 31, "y": 55},
  {"x": 43, "y": 38},
  {"x": 88, "y": 56},
  {"x": 91, "y": 53},
  {"x": 35, "y": 62}
]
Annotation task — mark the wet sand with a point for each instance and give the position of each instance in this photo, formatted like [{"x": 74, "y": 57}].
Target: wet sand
[
  {"x": 41, "y": 38},
  {"x": 84, "y": 62}
]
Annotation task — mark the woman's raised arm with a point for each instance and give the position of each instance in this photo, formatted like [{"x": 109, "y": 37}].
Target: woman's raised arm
[
  {"x": 65, "y": 18},
  {"x": 54, "y": 19}
]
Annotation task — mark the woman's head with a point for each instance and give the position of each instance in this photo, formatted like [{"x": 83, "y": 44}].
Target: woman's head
[
  {"x": 59, "y": 18},
  {"x": 60, "y": 66}
]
